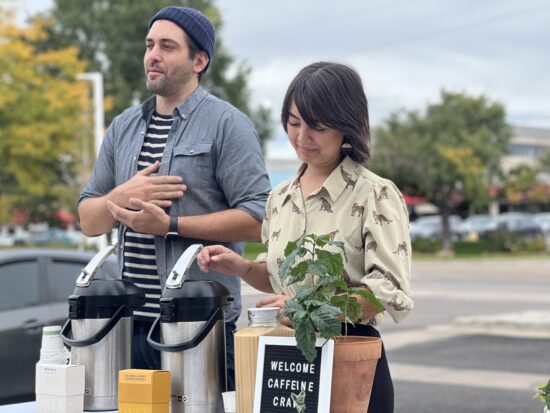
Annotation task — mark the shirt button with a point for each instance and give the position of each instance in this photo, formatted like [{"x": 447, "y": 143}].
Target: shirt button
[
  {"x": 184, "y": 116},
  {"x": 192, "y": 151}
]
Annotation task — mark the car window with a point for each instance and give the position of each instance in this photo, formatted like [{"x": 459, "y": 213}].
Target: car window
[
  {"x": 19, "y": 285},
  {"x": 63, "y": 277}
]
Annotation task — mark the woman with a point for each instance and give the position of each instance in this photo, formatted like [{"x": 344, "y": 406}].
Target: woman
[{"x": 325, "y": 115}]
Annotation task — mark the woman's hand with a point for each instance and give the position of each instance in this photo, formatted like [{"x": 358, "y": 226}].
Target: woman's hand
[
  {"x": 278, "y": 301},
  {"x": 222, "y": 259}
]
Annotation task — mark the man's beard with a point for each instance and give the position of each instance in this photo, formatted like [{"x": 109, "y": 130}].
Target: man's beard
[{"x": 168, "y": 85}]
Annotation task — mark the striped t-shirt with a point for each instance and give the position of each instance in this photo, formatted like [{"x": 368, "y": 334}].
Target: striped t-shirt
[{"x": 140, "y": 263}]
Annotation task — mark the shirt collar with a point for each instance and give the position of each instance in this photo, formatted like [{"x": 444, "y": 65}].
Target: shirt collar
[
  {"x": 184, "y": 109},
  {"x": 344, "y": 175},
  {"x": 293, "y": 185}
]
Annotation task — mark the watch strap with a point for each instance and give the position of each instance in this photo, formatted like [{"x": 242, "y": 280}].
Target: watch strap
[{"x": 173, "y": 227}]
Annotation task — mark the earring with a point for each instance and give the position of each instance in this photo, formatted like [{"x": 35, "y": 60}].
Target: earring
[{"x": 346, "y": 148}]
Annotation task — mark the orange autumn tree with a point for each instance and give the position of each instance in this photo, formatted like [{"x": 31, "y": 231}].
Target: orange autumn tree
[{"x": 42, "y": 133}]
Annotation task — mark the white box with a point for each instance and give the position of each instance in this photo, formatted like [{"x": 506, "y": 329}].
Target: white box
[{"x": 59, "y": 388}]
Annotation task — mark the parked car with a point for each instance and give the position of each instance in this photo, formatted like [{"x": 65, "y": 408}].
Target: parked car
[
  {"x": 476, "y": 226},
  {"x": 542, "y": 220},
  {"x": 11, "y": 235},
  {"x": 431, "y": 227},
  {"x": 34, "y": 287},
  {"x": 520, "y": 223}
]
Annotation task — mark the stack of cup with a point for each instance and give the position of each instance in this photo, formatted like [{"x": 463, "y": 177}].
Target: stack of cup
[{"x": 53, "y": 350}]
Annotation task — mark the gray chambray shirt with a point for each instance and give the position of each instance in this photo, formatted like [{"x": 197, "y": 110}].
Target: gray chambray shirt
[{"x": 214, "y": 148}]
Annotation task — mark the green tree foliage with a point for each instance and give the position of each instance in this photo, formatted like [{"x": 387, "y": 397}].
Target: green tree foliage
[
  {"x": 451, "y": 153},
  {"x": 40, "y": 116},
  {"x": 521, "y": 185},
  {"x": 111, "y": 36}
]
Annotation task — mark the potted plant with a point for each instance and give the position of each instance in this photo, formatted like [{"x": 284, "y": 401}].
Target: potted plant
[
  {"x": 543, "y": 393},
  {"x": 322, "y": 300}
]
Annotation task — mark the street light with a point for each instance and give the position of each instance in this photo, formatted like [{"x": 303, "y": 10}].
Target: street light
[
  {"x": 97, "y": 91},
  {"x": 99, "y": 123}
]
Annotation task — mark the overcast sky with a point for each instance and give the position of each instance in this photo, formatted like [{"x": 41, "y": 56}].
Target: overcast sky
[{"x": 405, "y": 50}]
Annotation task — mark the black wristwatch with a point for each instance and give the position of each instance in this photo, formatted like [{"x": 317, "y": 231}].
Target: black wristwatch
[{"x": 172, "y": 228}]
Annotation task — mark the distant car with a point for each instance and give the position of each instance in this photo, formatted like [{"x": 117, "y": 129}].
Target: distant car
[
  {"x": 34, "y": 288},
  {"x": 475, "y": 226},
  {"x": 542, "y": 220},
  {"x": 431, "y": 227},
  {"x": 520, "y": 223},
  {"x": 11, "y": 235}
]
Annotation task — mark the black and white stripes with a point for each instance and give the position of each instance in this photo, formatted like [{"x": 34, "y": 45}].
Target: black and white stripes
[{"x": 140, "y": 264}]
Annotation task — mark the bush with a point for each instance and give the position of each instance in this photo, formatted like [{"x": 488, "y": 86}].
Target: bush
[
  {"x": 252, "y": 249},
  {"x": 426, "y": 245},
  {"x": 507, "y": 241},
  {"x": 472, "y": 247}
]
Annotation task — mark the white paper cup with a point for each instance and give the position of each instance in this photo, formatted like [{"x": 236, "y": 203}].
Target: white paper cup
[
  {"x": 51, "y": 340},
  {"x": 229, "y": 404}
]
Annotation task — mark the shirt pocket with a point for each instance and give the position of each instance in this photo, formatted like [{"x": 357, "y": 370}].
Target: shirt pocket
[{"x": 193, "y": 162}]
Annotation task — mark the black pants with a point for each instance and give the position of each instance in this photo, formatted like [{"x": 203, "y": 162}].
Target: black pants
[
  {"x": 381, "y": 397},
  {"x": 146, "y": 357}
]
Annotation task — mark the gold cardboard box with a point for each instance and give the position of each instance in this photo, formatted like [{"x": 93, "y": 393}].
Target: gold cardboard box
[{"x": 143, "y": 391}]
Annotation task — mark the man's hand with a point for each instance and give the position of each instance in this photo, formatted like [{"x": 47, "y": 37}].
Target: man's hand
[
  {"x": 148, "y": 219},
  {"x": 158, "y": 190}
]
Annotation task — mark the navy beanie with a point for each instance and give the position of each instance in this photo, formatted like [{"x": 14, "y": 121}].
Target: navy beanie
[{"x": 197, "y": 26}]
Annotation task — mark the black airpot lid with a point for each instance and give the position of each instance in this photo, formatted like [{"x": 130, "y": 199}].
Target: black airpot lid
[
  {"x": 194, "y": 301},
  {"x": 102, "y": 298}
]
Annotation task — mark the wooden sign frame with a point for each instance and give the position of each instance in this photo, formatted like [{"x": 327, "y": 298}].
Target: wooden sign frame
[{"x": 324, "y": 383}]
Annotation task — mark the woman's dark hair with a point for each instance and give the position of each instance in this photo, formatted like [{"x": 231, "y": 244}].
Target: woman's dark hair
[{"x": 332, "y": 94}]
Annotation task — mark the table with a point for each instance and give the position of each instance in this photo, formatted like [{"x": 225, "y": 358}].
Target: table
[{"x": 29, "y": 407}]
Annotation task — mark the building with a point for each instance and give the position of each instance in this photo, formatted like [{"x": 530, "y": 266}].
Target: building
[{"x": 526, "y": 146}]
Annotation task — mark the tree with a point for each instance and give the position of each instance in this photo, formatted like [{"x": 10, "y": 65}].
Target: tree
[
  {"x": 449, "y": 154},
  {"x": 111, "y": 36},
  {"x": 40, "y": 118}
]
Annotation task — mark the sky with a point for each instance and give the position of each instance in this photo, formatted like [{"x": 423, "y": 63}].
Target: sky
[{"x": 406, "y": 51}]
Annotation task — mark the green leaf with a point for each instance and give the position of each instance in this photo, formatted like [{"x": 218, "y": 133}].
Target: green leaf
[
  {"x": 321, "y": 240},
  {"x": 325, "y": 320},
  {"x": 291, "y": 247},
  {"x": 354, "y": 310},
  {"x": 304, "y": 291},
  {"x": 305, "y": 339},
  {"x": 298, "y": 273},
  {"x": 317, "y": 268},
  {"x": 292, "y": 306},
  {"x": 369, "y": 296},
  {"x": 335, "y": 263}
]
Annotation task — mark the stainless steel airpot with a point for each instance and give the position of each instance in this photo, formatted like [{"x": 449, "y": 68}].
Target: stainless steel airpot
[
  {"x": 99, "y": 331},
  {"x": 192, "y": 335}
]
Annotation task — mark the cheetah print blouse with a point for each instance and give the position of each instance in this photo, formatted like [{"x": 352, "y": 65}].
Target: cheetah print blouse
[{"x": 361, "y": 209}]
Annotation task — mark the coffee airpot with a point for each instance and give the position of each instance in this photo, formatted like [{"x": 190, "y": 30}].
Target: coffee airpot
[
  {"x": 192, "y": 338},
  {"x": 99, "y": 331}
]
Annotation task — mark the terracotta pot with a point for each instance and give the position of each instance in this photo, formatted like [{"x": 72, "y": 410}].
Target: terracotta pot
[{"x": 353, "y": 370}]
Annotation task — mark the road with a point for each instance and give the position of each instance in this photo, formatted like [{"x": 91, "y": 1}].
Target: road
[{"x": 478, "y": 340}]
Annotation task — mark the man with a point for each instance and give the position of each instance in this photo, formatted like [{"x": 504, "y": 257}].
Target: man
[{"x": 182, "y": 168}]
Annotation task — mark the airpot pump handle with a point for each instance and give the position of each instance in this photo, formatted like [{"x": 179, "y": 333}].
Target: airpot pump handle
[
  {"x": 87, "y": 274},
  {"x": 179, "y": 273}
]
